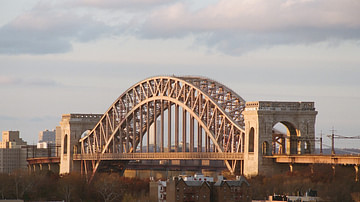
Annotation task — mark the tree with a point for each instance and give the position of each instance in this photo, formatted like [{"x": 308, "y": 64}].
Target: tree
[
  {"x": 23, "y": 182},
  {"x": 71, "y": 187},
  {"x": 109, "y": 186},
  {"x": 5, "y": 182}
]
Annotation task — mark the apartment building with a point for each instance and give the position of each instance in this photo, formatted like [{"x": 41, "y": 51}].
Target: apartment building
[{"x": 13, "y": 152}]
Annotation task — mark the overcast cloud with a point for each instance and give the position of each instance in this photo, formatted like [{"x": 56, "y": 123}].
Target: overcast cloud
[
  {"x": 46, "y": 29},
  {"x": 230, "y": 26}
]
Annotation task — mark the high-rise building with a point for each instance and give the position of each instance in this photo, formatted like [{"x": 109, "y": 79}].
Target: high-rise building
[
  {"x": 46, "y": 139},
  {"x": 12, "y": 152},
  {"x": 47, "y": 136},
  {"x": 11, "y": 139}
]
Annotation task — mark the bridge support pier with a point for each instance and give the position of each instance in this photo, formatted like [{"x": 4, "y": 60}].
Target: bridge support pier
[
  {"x": 356, "y": 173},
  {"x": 72, "y": 126},
  {"x": 291, "y": 168}
]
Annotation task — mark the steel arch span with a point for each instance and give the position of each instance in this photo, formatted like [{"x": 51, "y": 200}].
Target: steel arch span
[{"x": 203, "y": 105}]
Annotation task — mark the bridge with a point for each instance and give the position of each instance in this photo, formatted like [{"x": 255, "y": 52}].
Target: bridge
[
  {"x": 204, "y": 105},
  {"x": 191, "y": 118}
]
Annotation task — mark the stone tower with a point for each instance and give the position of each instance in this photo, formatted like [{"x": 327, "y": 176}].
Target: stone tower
[
  {"x": 72, "y": 126},
  {"x": 261, "y": 140}
]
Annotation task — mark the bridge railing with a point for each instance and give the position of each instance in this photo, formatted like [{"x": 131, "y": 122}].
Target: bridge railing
[
  {"x": 33, "y": 152},
  {"x": 161, "y": 156},
  {"x": 317, "y": 159}
]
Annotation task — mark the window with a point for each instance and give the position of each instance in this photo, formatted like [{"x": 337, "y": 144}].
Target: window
[
  {"x": 265, "y": 148},
  {"x": 307, "y": 147},
  {"x": 251, "y": 140},
  {"x": 65, "y": 143}
]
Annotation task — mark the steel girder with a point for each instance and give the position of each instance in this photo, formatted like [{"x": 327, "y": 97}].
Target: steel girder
[{"x": 216, "y": 108}]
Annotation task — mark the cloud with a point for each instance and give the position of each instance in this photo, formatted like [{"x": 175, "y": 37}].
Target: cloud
[
  {"x": 47, "y": 30},
  {"x": 8, "y": 118},
  {"x": 8, "y": 80},
  {"x": 231, "y": 26},
  {"x": 116, "y": 4},
  {"x": 254, "y": 16},
  {"x": 237, "y": 26},
  {"x": 11, "y": 81}
]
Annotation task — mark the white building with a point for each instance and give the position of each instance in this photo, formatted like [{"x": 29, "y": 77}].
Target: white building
[{"x": 197, "y": 177}]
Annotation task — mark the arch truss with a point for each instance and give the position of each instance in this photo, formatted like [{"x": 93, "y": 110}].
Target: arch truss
[{"x": 210, "y": 113}]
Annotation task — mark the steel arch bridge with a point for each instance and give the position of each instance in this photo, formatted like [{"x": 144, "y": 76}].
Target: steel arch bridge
[{"x": 206, "y": 106}]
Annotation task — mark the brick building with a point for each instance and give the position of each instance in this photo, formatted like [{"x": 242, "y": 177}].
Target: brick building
[
  {"x": 180, "y": 190},
  {"x": 232, "y": 190},
  {"x": 200, "y": 188}
]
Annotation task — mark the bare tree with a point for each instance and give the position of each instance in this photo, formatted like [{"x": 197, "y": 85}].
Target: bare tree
[
  {"x": 23, "y": 182},
  {"x": 5, "y": 182},
  {"x": 70, "y": 186},
  {"x": 109, "y": 187}
]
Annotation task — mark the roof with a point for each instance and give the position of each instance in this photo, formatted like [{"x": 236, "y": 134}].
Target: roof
[
  {"x": 194, "y": 183},
  {"x": 233, "y": 183}
]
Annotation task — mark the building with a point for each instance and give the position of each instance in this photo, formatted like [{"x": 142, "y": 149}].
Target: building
[
  {"x": 46, "y": 139},
  {"x": 158, "y": 190},
  {"x": 11, "y": 139},
  {"x": 232, "y": 190},
  {"x": 47, "y": 144},
  {"x": 200, "y": 188},
  {"x": 180, "y": 190},
  {"x": 47, "y": 136},
  {"x": 310, "y": 196},
  {"x": 13, "y": 152},
  {"x": 12, "y": 160}
]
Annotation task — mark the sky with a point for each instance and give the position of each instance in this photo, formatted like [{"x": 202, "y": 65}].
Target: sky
[{"x": 78, "y": 56}]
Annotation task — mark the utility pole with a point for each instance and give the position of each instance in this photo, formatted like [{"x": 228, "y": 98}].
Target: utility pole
[
  {"x": 332, "y": 141},
  {"x": 321, "y": 151}
]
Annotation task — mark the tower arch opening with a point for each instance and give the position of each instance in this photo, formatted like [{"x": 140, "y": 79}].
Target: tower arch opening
[{"x": 285, "y": 138}]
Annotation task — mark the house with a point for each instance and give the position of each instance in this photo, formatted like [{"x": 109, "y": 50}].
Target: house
[
  {"x": 200, "y": 188},
  {"x": 232, "y": 190}
]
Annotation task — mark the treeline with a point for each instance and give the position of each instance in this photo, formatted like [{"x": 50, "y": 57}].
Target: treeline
[
  {"x": 72, "y": 187},
  {"x": 330, "y": 186}
]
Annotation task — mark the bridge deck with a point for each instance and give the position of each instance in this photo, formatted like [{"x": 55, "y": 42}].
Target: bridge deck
[
  {"x": 317, "y": 159},
  {"x": 161, "y": 156}
]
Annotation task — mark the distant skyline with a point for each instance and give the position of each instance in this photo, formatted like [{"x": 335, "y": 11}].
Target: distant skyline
[{"x": 77, "y": 56}]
